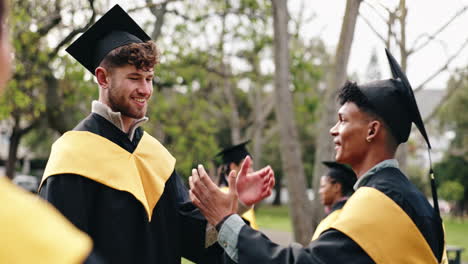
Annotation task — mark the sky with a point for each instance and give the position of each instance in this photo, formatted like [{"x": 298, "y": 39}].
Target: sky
[{"x": 424, "y": 17}]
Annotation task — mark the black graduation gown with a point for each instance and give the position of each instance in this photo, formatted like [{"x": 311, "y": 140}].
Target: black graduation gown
[
  {"x": 118, "y": 223},
  {"x": 338, "y": 205},
  {"x": 335, "y": 247}
]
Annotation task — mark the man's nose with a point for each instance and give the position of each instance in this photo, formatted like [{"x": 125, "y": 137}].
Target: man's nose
[
  {"x": 334, "y": 130},
  {"x": 145, "y": 89}
]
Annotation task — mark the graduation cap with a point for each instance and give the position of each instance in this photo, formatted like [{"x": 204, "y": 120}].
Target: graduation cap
[
  {"x": 114, "y": 29},
  {"x": 394, "y": 101},
  {"x": 234, "y": 153},
  {"x": 341, "y": 173}
]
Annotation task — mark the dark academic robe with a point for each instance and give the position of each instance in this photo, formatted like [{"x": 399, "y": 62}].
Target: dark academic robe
[
  {"x": 333, "y": 246},
  {"x": 338, "y": 205},
  {"x": 118, "y": 223}
]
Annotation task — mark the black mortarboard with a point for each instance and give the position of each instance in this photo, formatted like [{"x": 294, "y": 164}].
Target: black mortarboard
[
  {"x": 234, "y": 153},
  {"x": 114, "y": 29},
  {"x": 394, "y": 101},
  {"x": 341, "y": 173}
]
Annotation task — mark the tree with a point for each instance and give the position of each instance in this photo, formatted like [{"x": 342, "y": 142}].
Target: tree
[
  {"x": 373, "y": 71},
  {"x": 452, "y": 191},
  {"x": 291, "y": 156},
  {"x": 328, "y": 108},
  {"x": 33, "y": 90},
  {"x": 396, "y": 36},
  {"x": 452, "y": 117}
]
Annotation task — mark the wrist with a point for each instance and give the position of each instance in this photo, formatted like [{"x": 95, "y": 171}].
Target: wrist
[
  {"x": 220, "y": 223},
  {"x": 242, "y": 207}
]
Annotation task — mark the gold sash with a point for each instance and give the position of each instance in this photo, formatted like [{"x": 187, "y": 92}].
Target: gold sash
[
  {"x": 33, "y": 231},
  {"x": 382, "y": 229},
  {"x": 142, "y": 173},
  {"x": 326, "y": 223}
]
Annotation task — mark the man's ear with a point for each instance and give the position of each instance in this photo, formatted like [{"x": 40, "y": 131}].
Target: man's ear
[
  {"x": 102, "y": 77},
  {"x": 373, "y": 130}
]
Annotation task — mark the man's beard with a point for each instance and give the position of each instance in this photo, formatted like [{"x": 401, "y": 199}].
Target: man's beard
[{"x": 118, "y": 103}]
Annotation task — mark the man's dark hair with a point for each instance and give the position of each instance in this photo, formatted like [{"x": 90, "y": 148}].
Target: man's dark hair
[
  {"x": 144, "y": 56},
  {"x": 347, "y": 183},
  {"x": 350, "y": 93}
]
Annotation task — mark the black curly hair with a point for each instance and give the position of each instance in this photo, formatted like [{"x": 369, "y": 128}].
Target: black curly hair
[{"x": 350, "y": 92}]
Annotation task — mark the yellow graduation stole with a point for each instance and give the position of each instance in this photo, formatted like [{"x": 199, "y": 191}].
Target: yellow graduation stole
[
  {"x": 33, "y": 231},
  {"x": 326, "y": 223},
  {"x": 142, "y": 173},
  {"x": 382, "y": 229},
  {"x": 249, "y": 215}
]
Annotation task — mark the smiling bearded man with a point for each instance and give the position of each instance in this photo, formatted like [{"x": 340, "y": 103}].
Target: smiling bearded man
[{"x": 116, "y": 182}]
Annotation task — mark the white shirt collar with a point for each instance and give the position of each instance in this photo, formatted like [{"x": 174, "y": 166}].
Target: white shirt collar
[{"x": 116, "y": 117}]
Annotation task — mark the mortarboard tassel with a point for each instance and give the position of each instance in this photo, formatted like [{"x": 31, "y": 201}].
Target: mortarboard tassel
[{"x": 433, "y": 185}]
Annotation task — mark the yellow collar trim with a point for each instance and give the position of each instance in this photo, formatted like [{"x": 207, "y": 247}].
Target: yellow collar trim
[
  {"x": 382, "y": 229},
  {"x": 326, "y": 223},
  {"x": 142, "y": 173}
]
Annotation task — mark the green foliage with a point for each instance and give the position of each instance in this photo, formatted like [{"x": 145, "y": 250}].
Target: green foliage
[
  {"x": 453, "y": 169},
  {"x": 188, "y": 129},
  {"x": 452, "y": 116},
  {"x": 273, "y": 217},
  {"x": 451, "y": 191},
  {"x": 419, "y": 177},
  {"x": 307, "y": 70}
]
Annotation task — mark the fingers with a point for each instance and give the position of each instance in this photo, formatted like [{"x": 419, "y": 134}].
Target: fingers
[
  {"x": 206, "y": 179},
  {"x": 197, "y": 186},
  {"x": 190, "y": 180},
  {"x": 273, "y": 180},
  {"x": 194, "y": 199},
  {"x": 232, "y": 181},
  {"x": 245, "y": 165}
]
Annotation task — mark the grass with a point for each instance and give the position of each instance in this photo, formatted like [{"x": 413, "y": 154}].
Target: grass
[
  {"x": 273, "y": 217},
  {"x": 277, "y": 218},
  {"x": 456, "y": 233}
]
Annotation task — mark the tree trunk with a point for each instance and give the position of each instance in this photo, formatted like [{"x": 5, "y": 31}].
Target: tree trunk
[
  {"x": 159, "y": 13},
  {"x": 234, "y": 118},
  {"x": 258, "y": 127},
  {"x": 402, "y": 153},
  {"x": 56, "y": 117},
  {"x": 329, "y": 105},
  {"x": 261, "y": 111},
  {"x": 291, "y": 156},
  {"x": 278, "y": 185},
  {"x": 15, "y": 138}
]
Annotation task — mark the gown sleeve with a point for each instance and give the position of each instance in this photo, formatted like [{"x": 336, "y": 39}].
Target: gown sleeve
[
  {"x": 72, "y": 195},
  {"x": 331, "y": 247},
  {"x": 193, "y": 229}
]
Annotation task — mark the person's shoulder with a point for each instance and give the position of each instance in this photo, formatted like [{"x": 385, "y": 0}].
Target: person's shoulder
[
  {"x": 338, "y": 205},
  {"x": 33, "y": 224},
  {"x": 388, "y": 178}
]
